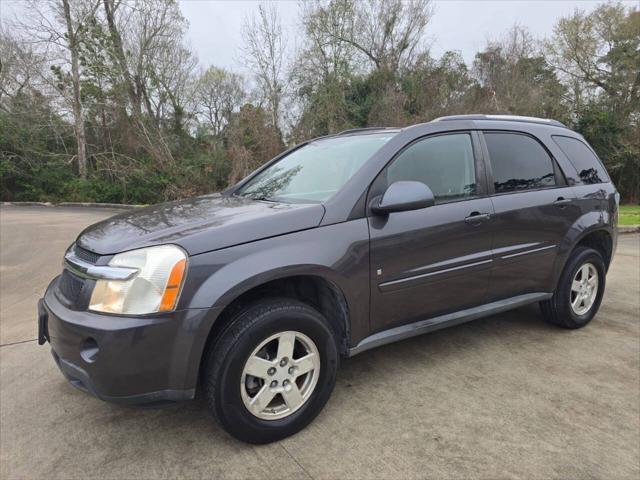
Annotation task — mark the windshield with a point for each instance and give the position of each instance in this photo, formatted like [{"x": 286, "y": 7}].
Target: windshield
[{"x": 314, "y": 172}]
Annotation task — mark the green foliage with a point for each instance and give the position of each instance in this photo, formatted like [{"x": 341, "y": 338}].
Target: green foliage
[
  {"x": 32, "y": 159},
  {"x": 629, "y": 215},
  {"x": 35, "y": 164},
  {"x": 618, "y": 147}
]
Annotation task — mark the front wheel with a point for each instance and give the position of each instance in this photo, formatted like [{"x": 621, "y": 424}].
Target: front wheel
[
  {"x": 271, "y": 371},
  {"x": 579, "y": 292}
]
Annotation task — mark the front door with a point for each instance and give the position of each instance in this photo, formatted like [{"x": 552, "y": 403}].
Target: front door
[{"x": 433, "y": 260}]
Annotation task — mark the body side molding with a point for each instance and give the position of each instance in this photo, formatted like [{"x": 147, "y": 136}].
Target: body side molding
[
  {"x": 436, "y": 323},
  {"x": 527, "y": 252},
  {"x": 386, "y": 286}
]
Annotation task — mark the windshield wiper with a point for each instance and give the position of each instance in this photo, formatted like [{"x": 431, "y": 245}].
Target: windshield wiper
[
  {"x": 260, "y": 198},
  {"x": 253, "y": 196}
]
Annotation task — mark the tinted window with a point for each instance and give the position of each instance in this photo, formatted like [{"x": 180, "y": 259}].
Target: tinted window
[
  {"x": 316, "y": 171},
  {"x": 518, "y": 162},
  {"x": 589, "y": 168},
  {"x": 444, "y": 163}
]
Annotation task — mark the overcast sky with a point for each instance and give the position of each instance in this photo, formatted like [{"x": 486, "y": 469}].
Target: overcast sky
[
  {"x": 216, "y": 26},
  {"x": 215, "y": 31}
]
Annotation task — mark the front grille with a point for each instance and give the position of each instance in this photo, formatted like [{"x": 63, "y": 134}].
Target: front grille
[
  {"x": 70, "y": 286},
  {"x": 86, "y": 255}
]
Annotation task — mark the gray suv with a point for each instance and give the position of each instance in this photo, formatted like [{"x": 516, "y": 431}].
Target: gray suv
[{"x": 339, "y": 245}]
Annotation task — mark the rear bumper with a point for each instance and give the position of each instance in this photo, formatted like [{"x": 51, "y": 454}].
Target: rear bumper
[{"x": 129, "y": 360}]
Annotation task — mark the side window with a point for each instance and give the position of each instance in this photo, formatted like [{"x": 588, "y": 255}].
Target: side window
[
  {"x": 518, "y": 162},
  {"x": 445, "y": 163},
  {"x": 589, "y": 168}
]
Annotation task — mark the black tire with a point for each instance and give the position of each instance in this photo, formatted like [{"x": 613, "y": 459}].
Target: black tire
[
  {"x": 226, "y": 357},
  {"x": 557, "y": 310}
]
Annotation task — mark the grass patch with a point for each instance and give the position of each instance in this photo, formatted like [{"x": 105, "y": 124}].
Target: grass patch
[{"x": 629, "y": 215}]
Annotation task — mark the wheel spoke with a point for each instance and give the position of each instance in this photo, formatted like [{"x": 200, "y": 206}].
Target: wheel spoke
[
  {"x": 576, "y": 303},
  {"x": 286, "y": 342},
  {"x": 258, "y": 367},
  {"x": 292, "y": 397},
  {"x": 262, "y": 399},
  {"x": 305, "y": 364},
  {"x": 584, "y": 272},
  {"x": 575, "y": 286}
]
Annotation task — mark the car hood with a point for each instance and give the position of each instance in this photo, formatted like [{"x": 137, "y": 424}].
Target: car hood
[{"x": 199, "y": 224}]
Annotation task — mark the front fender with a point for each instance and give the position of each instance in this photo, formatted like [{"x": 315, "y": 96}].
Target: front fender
[{"x": 338, "y": 253}]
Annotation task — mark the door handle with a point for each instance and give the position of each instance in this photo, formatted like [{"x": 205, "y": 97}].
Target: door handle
[
  {"x": 562, "y": 202},
  {"x": 476, "y": 218}
]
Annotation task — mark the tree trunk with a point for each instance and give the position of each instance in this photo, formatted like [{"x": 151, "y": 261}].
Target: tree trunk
[
  {"x": 120, "y": 56},
  {"x": 78, "y": 115},
  {"x": 275, "y": 108}
]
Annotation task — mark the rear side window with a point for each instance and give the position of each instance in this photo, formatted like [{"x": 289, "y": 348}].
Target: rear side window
[
  {"x": 445, "y": 163},
  {"x": 588, "y": 166},
  {"x": 518, "y": 162}
]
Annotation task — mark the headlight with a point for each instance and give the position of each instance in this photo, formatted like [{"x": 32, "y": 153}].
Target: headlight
[{"x": 155, "y": 288}]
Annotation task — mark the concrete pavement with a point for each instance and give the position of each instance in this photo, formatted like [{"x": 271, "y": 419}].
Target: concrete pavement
[{"x": 505, "y": 396}]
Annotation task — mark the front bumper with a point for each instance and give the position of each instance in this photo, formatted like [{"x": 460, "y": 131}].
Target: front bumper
[{"x": 151, "y": 359}]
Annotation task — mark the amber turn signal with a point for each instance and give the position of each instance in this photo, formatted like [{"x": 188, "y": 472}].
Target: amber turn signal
[{"x": 172, "y": 289}]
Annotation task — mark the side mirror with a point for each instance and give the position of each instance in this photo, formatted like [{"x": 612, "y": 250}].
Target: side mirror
[{"x": 403, "y": 196}]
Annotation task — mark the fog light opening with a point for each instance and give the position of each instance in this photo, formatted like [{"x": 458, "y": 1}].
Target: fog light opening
[{"x": 89, "y": 351}]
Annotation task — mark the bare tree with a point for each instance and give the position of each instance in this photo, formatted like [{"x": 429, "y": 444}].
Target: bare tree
[
  {"x": 599, "y": 50},
  {"x": 145, "y": 23},
  {"x": 250, "y": 122},
  {"x": 515, "y": 78},
  {"x": 325, "y": 25},
  {"x": 59, "y": 25},
  {"x": 218, "y": 93},
  {"x": 20, "y": 65},
  {"x": 354, "y": 36},
  {"x": 161, "y": 65},
  {"x": 323, "y": 69},
  {"x": 120, "y": 56},
  {"x": 73, "y": 30},
  {"x": 264, "y": 51},
  {"x": 387, "y": 32}
]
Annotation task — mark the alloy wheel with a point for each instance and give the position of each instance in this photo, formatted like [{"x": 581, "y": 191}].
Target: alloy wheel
[
  {"x": 584, "y": 289},
  {"x": 280, "y": 375}
]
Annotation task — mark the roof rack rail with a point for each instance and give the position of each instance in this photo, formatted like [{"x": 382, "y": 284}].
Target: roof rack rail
[
  {"x": 509, "y": 118},
  {"x": 365, "y": 129}
]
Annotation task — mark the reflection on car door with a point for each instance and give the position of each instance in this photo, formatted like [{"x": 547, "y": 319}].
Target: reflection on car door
[{"x": 433, "y": 260}]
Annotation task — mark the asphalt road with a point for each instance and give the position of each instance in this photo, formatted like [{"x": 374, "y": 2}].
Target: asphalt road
[{"x": 505, "y": 396}]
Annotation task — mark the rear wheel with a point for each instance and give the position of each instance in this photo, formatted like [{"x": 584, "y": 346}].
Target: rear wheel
[
  {"x": 271, "y": 371},
  {"x": 579, "y": 292}
]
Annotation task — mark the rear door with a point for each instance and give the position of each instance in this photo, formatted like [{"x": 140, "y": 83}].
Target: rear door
[
  {"x": 534, "y": 209},
  {"x": 437, "y": 259}
]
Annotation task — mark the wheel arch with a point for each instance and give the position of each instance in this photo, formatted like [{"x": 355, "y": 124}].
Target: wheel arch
[
  {"x": 601, "y": 241},
  {"x": 599, "y": 237},
  {"x": 313, "y": 289}
]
